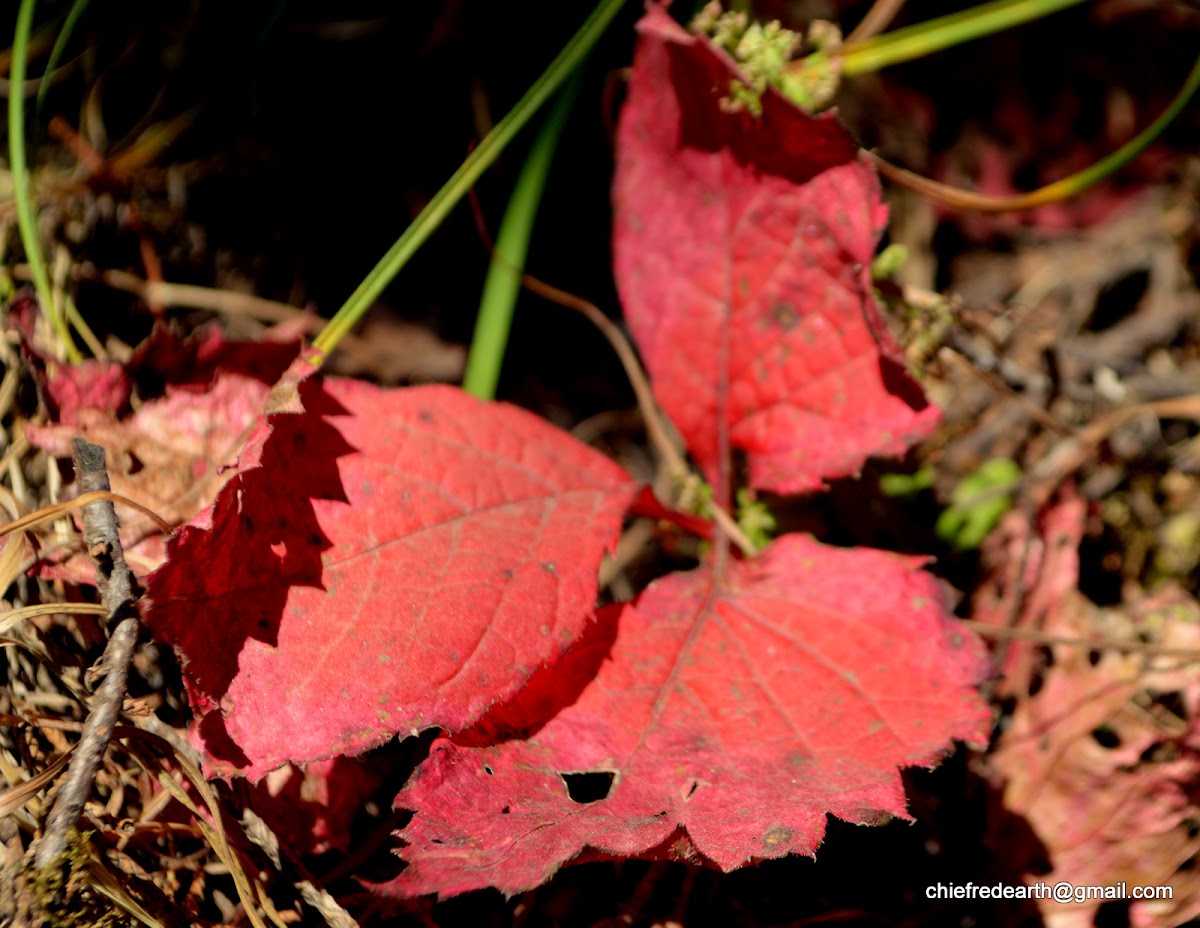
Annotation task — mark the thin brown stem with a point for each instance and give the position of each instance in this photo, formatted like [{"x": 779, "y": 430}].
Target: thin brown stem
[
  {"x": 956, "y": 197},
  {"x": 656, "y": 427},
  {"x": 878, "y": 18}
]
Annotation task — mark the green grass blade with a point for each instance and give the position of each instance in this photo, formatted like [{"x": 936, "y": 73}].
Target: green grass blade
[
  {"x": 60, "y": 46},
  {"x": 467, "y": 174},
  {"x": 503, "y": 284},
  {"x": 922, "y": 39},
  {"x": 26, "y": 220}
]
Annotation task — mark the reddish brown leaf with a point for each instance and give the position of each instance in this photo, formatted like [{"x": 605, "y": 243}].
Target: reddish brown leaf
[
  {"x": 383, "y": 561},
  {"x": 1099, "y": 763},
  {"x": 171, "y": 453},
  {"x": 87, "y": 387},
  {"x": 1031, "y": 571},
  {"x": 69, "y": 390},
  {"x": 169, "y": 456},
  {"x": 742, "y": 248},
  {"x": 740, "y": 702}
]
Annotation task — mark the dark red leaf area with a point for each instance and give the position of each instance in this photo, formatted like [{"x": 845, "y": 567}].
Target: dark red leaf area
[
  {"x": 740, "y": 702},
  {"x": 782, "y": 141},
  {"x": 742, "y": 250},
  {"x": 195, "y": 359},
  {"x": 311, "y": 810},
  {"x": 383, "y": 561}
]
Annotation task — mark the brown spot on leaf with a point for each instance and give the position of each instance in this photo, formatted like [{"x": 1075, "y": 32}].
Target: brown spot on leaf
[{"x": 785, "y": 315}]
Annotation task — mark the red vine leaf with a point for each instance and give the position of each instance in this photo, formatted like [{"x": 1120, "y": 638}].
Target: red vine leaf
[
  {"x": 740, "y": 703},
  {"x": 382, "y": 561},
  {"x": 742, "y": 251}
]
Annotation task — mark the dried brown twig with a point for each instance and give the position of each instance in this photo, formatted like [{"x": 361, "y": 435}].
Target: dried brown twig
[{"x": 118, "y": 593}]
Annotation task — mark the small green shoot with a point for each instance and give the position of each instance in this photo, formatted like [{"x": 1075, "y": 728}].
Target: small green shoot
[
  {"x": 889, "y": 261},
  {"x": 900, "y": 485},
  {"x": 60, "y": 46},
  {"x": 695, "y": 495},
  {"x": 978, "y": 503},
  {"x": 813, "y": 82},
  {"x": 754, "y": 518}
]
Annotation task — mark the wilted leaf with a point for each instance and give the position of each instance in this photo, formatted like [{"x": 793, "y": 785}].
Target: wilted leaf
[
  {"x": 741, "y": 702},
  {"x": 171, "y": 453},
  {"x": 742, "y": 251},
  {"x": 1100, "y": 762},
  {"x": 383, "y": 561}
]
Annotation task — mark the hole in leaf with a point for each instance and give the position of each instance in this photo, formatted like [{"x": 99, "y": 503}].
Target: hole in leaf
[
  {"x": 1173, "y": 702},
  {"x": 1094, "y": 657},
  {"x": 1106, "y": 737},
  {"x": 692, "y": 789},
  {"x": 588, "y": 787},
  {"x": 506, "y": 810},
  {"x": 1160, "y": 752},
  {"x": 135, "y": 464},
  {"x": 489, "y": 771}
]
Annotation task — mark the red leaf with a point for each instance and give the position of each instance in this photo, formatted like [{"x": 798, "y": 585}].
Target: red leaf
[
  {"x": 87, "y": 387},
  {"x": 740, "y": 702},
  {"x": 70, "y": 391},
  {"x": 383, "y": 561},
  {"x": 742, "y": 248}
]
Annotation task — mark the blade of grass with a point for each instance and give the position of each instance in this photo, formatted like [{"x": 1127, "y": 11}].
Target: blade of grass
[
  {"x": 26, "y": 221},
  {"x": 503, "y": 283},
  {"x": 467, "y": 174},
  {"x": 60, "y": 46},
  {"x": 922, "y": 39}
]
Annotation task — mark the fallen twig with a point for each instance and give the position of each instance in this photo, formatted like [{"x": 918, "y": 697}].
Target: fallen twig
[{"x": 118, "y": 593}]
